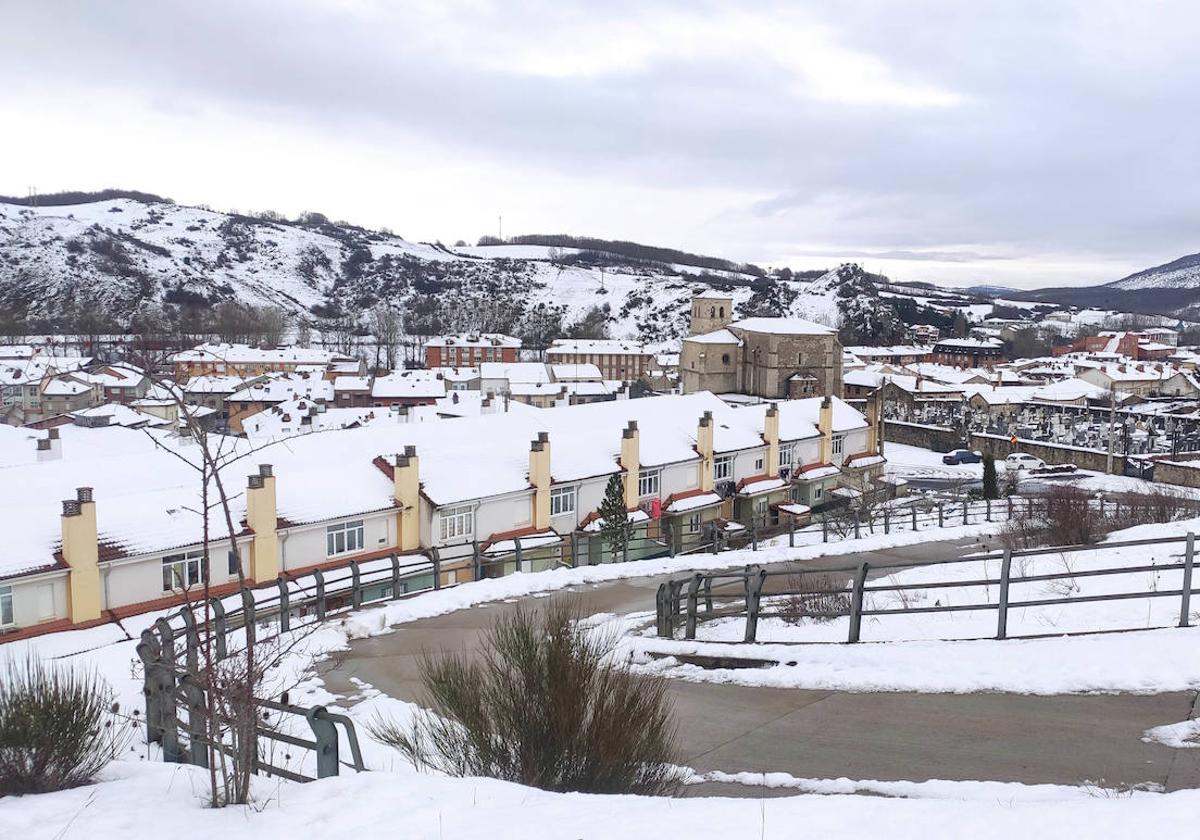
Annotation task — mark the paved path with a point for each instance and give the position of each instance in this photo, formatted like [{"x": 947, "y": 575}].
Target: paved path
[{"x": 1066, "y": 739}]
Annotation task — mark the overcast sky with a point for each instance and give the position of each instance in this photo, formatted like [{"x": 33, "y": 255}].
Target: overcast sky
[{"x": 1022, "y": 143}]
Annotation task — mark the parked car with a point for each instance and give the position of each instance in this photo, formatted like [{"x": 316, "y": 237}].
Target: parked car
[
  {"x": 962, "y": 456},
  {"x": 1023, "y": 461}
]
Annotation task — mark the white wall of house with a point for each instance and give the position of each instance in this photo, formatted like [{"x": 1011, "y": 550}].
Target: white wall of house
[
  {"x": 37, "y": 599},
  {"x": 308, "y": 545}
]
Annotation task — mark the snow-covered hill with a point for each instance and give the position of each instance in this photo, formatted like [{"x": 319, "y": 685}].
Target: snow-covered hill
[
  {"x": 121, "y": 255},
  {"x": 1183, "y": 273}
]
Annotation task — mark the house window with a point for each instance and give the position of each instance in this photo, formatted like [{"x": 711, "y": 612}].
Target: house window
[
  {"x": 562, "y": 500},
  {"x": 344, "y": 538},
  {"x": 7, "y": 618},
  {"x": 649, "y": 483},
  {"x": 181, "y": 571},
  {"x": 839, "y": 444},
  {"x": 691, "y": 525},
  {"x": 785, "y": 456},
  {"x": 760, "y": 508},
  {"x": 758, "y": 465},
  {"x": 723, "y": 468},
  {"x": 458, "y": 522}
]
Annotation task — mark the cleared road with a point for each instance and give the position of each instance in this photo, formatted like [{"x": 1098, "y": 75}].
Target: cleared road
[{"x": 1067, "y": 739}]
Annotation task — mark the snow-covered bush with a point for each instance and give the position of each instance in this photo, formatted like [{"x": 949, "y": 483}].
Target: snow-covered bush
[
  {"x": 57, "y": 727},
  {"x": 543, "y": 706}
]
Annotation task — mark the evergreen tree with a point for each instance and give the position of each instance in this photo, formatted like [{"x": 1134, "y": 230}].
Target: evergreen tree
[
  {"x": 615, "y": 528},
  {"x": 991, "y": 487}
]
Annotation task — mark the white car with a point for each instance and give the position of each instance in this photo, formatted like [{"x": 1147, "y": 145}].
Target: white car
[{"x": 1022, "y": 461}]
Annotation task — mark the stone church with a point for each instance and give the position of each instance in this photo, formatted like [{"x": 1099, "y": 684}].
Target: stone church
[{"x": 772, "y": 358}]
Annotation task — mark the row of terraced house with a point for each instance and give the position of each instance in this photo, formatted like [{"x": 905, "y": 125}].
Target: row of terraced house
[{"x": 128, "y": 537}]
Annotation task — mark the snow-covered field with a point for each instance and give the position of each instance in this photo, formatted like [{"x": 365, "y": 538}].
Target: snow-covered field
[{"x": 903, "y": 651}]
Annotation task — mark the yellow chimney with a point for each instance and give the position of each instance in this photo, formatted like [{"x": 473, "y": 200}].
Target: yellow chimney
[
  {"x": 631, "y": 462},
  {"x": 406, "y": 480},
  {"x": 875, "y": 422},
  {"x": 262, "y": 517},
  {"x": 539, "y": 477},
  {"x": 704, "y": 446},
  {"x": 81, "y": 551},
  {"x": 825, "y": 426},
  {"x": 771, "y": 436}
]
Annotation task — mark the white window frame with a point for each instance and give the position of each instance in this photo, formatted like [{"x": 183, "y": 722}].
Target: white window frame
[
  {"x": 649, "y": 483},
  {"x": 344, "y": 538},
  {"x": 562, "y": 500},
  {"x": 785, "y": 456},
  {"x": 839, "y": 444},
  {"x": 758, "y": 464},
  {"x": 723, "y": 468},
  {"x": 456, "y": 522},
  {"x": 8, "y": 613},
  {"x": 184, "y": 570},
  {"x": 691, "y": 524}
]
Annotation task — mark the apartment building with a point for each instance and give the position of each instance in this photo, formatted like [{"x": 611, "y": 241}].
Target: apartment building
[
  {"x": 128, "y": 535},
  {"x": 623, "y": 361},
  {"x": 471, "y": 349},
  {"x": 245, "y": 361}
]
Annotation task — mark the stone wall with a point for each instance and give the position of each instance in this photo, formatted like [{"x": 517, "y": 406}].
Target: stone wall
[
  {"x": 1183, "y": 473},
  {"x": 1051, "y": 453},
  {"x": 937, "y": 438}
]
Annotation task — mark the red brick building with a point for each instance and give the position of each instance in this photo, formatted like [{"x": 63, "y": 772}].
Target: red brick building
[{"x": 471, "y": 350}]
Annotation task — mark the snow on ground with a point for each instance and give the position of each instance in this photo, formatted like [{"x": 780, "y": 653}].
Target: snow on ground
[
  {"x": 141, "y": 800},
  {"x": 1183, "y": 735},
  {"x": 903, "y": 652}
]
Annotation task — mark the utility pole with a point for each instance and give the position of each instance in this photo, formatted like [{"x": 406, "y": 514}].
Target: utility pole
[{"x": 500, "y": 228}]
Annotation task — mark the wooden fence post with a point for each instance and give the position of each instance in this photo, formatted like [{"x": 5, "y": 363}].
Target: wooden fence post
[
  {"x": 966, "y": 510},
  {"x": 856, "y": 603},
  {"x": 1002, "y": 612},
  {"x": 670, "y": 538},
  {"x": 914, "y": 517},
  {"x": 791, "y": 531},
  {"x": 708, "y": 608},
  {"x": 193, "y": 698},
  {"x": 574, "y": 549},
  {"x": 249, "y": 615},
  {"x": 824, "y": 529},
  {"x": 285, "y": 617},
  {"x": 1188, "y": 560},
  {"x": 220, "y": 626},
  {"x": 517, "y": 546},
  {"x": 887, "y": 524},
  {"x": 395, "y": 576},
  {"x": 857, "y": 530},
  {"x": 1010, "y": 506},
  {"x": 941, "y": 515},
  {"x": 753, "y": 534},
  {"x": 435, "y": 557},
  {"x": 319, "y": 581},
  {"x": 693, "y": 590},
  {"x": 988, "y": 506},
  {"x": 477, "y": 560},
  {"x": 660, "y": 606},
  {"x": 355, "y": 585},
  {"x": 755, "y": 577}
]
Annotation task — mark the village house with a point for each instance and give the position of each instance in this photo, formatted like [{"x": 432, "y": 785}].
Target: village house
[
  {"x": 471, "y": 350},
  {"x": 267, "y": 391},
  {"x": 245, "y": 361},
  {"x": 968, "y": 352},
  {"x": 128, "y": 536}
]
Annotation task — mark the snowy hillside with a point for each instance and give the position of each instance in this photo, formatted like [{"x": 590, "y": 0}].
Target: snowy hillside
[
  {"x": 121, "y": 255},
  {"x": 1183, "y": 273}
]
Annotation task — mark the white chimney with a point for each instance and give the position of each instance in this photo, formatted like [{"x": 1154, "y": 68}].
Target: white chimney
[{"x": 50, "y": 448}]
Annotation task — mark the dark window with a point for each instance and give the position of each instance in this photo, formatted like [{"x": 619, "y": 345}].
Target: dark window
[
  {"x": 724, "y": 358},
  {"x": 722, "y": 311}
]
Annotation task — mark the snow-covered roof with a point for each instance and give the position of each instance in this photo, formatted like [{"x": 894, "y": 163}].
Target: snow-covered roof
[
  {"x": 599, "y": 346},
  {"x": 969, "y": 344},
  {"x": 782, "y": 326},
  {"x": 576, "y": 372},
  {"x": 765, "y": 485},
  {"x": 457, "y": 374},
  {"x": 283, "y": 387},
  {"x": 721, "y": 336},
  {"x": 694, "y": 502},
  {"x": 525, "y": 372},
  {"x": 65, "y": 386},
  {"x": 352, "y": 383},
  {"x": 712, "y": 294},
  {"x": 244, "y": 354},
  {"x": 411, "y": 384},
  {"x": 215, "y": 384},
  {"x": 120, "y": 415},
  {"x": 146, "y": 495},
  {"x": 474, "y": 340}
]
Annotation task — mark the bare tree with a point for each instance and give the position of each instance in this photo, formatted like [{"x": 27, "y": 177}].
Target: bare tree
[{"x": 385, "y": 323}]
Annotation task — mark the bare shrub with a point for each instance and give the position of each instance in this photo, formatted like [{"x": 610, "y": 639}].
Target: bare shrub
[
  {"x": 814, "y": 596},
  {"x": 57, "y": 727},
  {"x": 542, "y": 706},
  {"x": 1068, "y": 516}
]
